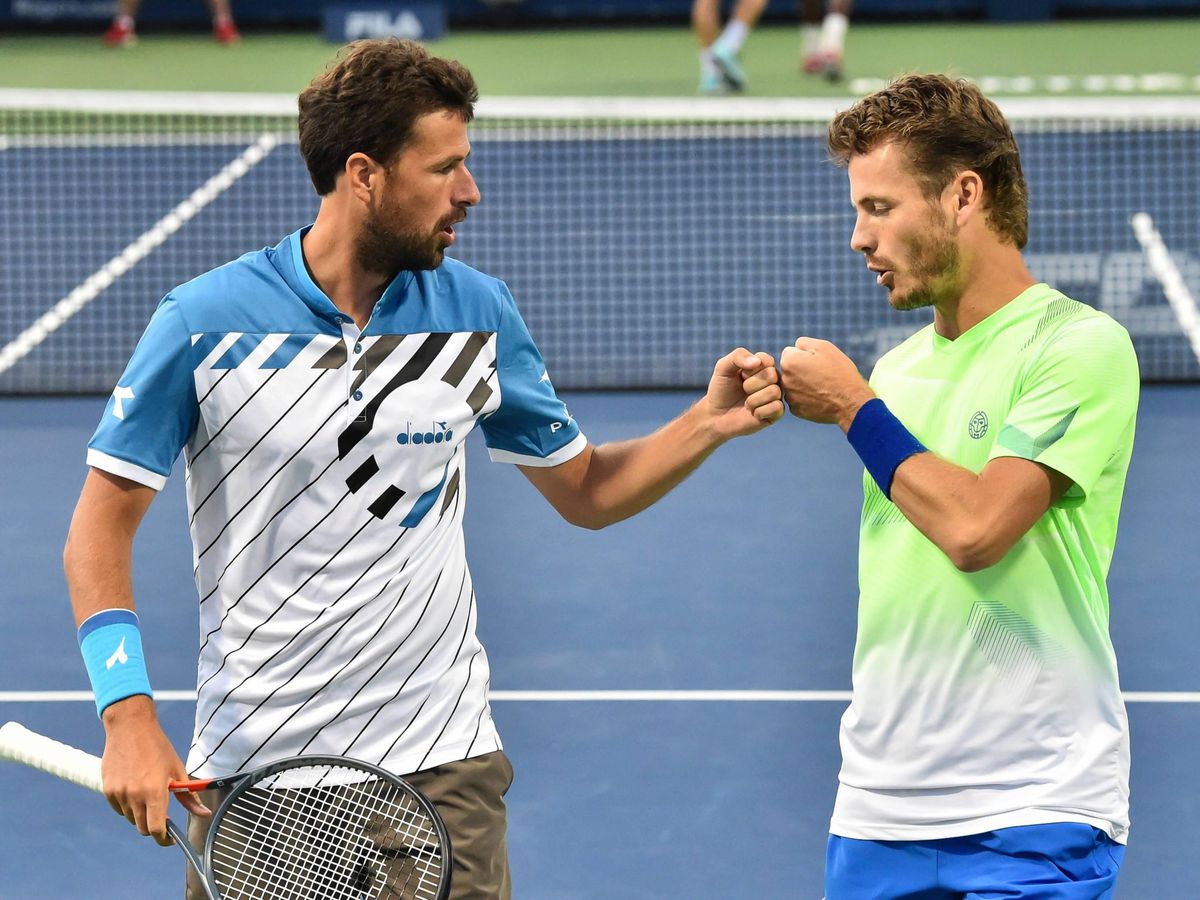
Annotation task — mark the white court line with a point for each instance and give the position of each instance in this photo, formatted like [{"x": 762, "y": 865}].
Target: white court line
[
  {"x": 603, "y": 696},
  {"x": 59, "y": 314},
  {"x": 1158, "y": 257}
]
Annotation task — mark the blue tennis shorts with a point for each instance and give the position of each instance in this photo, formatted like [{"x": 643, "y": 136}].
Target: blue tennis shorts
[{"x": 1065, "y": 861}]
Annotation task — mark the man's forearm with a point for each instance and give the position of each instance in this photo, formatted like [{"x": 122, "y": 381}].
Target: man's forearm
[
  {"x": 974, "y": 519},
  {"x": 98, "y": 570},
  {"x": 625, "y": 477},
  {"x": 614, "y": 481},
  {"x": 98, "y": 555}
]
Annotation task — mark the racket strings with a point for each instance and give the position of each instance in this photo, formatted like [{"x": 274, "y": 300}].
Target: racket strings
[
  {"x": 337, "y": 857},
  {"x": 367, "y": 840}
]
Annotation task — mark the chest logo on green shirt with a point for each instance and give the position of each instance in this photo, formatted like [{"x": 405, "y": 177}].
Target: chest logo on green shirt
[{"x": 978, "y": 425}]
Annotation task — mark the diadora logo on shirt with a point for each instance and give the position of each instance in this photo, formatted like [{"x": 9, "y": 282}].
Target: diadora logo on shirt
[
  {"x": 438, "y": 433},
  {"x": 978, "y": 425}
]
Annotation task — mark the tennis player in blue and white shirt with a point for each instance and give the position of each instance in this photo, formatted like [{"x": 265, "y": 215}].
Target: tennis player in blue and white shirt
[{"x": 322, "y": 392}]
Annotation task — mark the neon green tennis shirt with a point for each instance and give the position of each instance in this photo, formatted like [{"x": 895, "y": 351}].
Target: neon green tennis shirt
[{"x": 990, "y": 699}]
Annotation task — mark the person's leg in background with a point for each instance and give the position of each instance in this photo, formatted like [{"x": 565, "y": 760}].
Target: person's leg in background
[
  {"x": 121, "y": 33},
  {"x": 823, "y": 37},
  {"x": 123, "y": 30},
  {"x": 720, "y": 66}
]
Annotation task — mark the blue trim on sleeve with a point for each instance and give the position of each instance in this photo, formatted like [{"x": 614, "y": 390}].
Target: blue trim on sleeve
[{"x": 881, "y": 442}]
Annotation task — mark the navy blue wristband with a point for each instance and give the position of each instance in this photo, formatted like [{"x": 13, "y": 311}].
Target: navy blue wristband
[{"x": 881, "y": 442}]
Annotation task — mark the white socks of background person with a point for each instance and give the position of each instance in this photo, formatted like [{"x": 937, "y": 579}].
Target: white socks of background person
[{"x": 833, "y": 33}]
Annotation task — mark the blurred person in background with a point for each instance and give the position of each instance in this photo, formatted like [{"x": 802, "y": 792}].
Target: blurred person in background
[
  {"x": 720, "y": 69},
  {"x": 122, "y": 33},
  {"x": 823, "y": 37}
]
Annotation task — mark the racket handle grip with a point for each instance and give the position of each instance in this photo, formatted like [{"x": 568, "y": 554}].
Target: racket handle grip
[{"x": 19, "y": 744}]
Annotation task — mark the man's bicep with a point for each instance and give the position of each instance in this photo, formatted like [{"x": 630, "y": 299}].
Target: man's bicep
[{"x": 111, "y": 501}]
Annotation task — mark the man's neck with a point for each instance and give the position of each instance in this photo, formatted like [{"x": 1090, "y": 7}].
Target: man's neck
[
  {"x": 328, "y": 250},
  {"x": 995, "y": 280}
]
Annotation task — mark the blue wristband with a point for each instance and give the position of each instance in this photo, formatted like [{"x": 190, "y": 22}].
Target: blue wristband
[
  {"x": 881, "y": 442},
  {"x": 112, "y": 651}
]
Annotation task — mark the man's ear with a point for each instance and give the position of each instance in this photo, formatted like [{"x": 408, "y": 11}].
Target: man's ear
[
  {"x": 363, "y": 176},
  {"x": 966, "y": 196}
]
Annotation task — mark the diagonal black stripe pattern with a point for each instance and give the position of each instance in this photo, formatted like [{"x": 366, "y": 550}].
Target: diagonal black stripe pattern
[
  {"x": 296, "y": 635},
  {"x": 334, "y": 677},
  {"x": 457, "y": 701},
  {"x": 466, "y": 358},
  {"x": 341, "y": 405},
  {"x": 487, "y": 689},
  {"x": 250, "y": 636},
  {"x": 212, "y": 387},
  {"x": 411, "y": 371},
  {"x": 233, "y": 415},
  {"x": 382, "y": 505},
  {"x": 333, "y": 358},
  {"x": 319, "y": 692},
  {"x": 378, "y": 669},
  {"x": 262, "y": 530},
  {"x": 400, "y": 690},
  {"x": 479, "y": 396},
  {"x": 362, "y": 474},
  {"x": 451, "y": 492},
  {"x": 229, "y": 470},
  {"x": 403, "y": 731},
  {"x": 267, "y": 570},
  {"x": 375, "y": 355}
]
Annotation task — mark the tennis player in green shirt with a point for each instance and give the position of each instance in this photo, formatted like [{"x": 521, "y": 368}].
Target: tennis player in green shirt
[{"x": 985, "y": 751}]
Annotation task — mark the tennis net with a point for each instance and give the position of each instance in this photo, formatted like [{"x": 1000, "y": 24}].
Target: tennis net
[{"x": 642, "y": 238}]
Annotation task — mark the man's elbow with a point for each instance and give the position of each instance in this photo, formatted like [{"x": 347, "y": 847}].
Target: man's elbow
[
  {"x": 587, "y": 513},
  {"x": 591, "y": 519},
  {"x": 973, "y": 550}
]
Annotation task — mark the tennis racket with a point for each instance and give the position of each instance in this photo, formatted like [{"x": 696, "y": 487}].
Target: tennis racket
[{"x": 305, "y": 828}]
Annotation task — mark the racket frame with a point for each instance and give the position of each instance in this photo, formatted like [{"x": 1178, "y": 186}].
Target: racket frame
[{"x": 239, "y": 782}]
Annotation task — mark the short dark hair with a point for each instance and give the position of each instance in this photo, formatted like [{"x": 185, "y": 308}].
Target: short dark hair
[
  {"x": 368, "y": 100},
  {"x": 947, "y": 126}
]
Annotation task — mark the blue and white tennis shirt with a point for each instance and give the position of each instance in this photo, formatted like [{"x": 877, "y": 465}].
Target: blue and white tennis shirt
[{"x": 325, "y": 484}]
